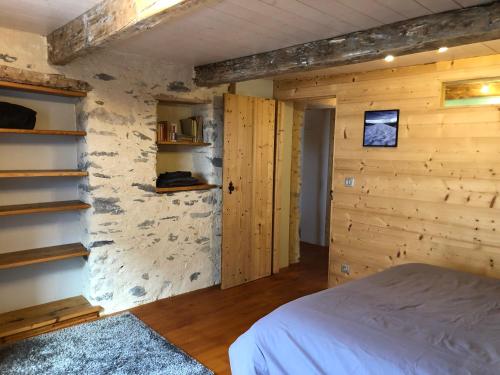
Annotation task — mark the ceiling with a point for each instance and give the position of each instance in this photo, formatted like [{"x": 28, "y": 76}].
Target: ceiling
[
  {"x": 41, "y": 16},
  {"x": 227, "y": 29},
  {"x": 235, "y": 28}
]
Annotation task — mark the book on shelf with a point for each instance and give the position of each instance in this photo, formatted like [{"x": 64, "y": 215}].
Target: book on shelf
[{"x": 190, "y": 130}]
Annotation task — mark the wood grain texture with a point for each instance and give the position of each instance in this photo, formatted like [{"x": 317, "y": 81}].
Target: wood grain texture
[
  {"x": 95, "y": 28},
  {"x": 170, "y": 99},
  {"x": 43, "y": 173},
  {"x": 426, "y": 33},
  {"x": 185, "y": 188},
  {"x": 248, "y": 211},
  {"x": 182, "y": 143},
  {"x": 35, "y": 208},
  {"x": 296, "y": 182},
  {"x": 41, "y": 255},
  {"x": 279, "y": 155},
  {"x": 32, "y": 318},
  {"x": 77, "y": 133},
  {"x": 205, "y": 322},
  {"x": 43, "y": 83},
  {"x": 434, "y": 198}
]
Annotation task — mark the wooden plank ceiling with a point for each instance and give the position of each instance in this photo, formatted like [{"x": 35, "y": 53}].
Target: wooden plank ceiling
[
  {"x": 235, "y": 28},
  {"x": 41, "y": 16}
]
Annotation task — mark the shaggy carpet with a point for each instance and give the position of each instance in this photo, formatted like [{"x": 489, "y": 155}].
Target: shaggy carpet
[{"x": 121, "y": 345}]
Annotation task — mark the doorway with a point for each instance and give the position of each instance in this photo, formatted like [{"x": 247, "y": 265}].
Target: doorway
[{"x": 315, "y": 194}]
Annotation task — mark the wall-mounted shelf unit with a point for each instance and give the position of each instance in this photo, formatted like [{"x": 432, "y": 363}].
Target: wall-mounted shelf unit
[
  {"x": 42, "y": 255},
  {"x": 35, "y": 320},
  {"x": 185, "y": 188},
  {"x": 76, "y": 133},
  {"x": 183, "y": 143},
  {"x": 181, "y": 155},
  {"x": 31, "y": 321},
  {"x": 43, "y": 173}
]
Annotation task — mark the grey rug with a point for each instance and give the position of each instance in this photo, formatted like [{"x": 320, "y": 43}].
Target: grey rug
[{"x": 121, "y": 345}]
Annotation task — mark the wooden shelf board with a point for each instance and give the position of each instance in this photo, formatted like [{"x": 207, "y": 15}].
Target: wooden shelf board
[
  {"x": 42, "y": 255},
  {"x": 182, "y": 143},
  {"x": 41, "y": 89},
  {"x": 169, "y": 99},
  {"x": 185, "y": 188},
  {"x": 43, "y": 173},
  {"x": 33, "y": 208},
  {"x": 53, "y": 315},
  {"x": 77, "y": 133}
]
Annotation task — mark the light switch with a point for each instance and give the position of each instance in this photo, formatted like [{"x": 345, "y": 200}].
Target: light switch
[{"x": 349, "y": 182}]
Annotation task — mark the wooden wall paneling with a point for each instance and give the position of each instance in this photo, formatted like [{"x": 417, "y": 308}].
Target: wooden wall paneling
[
  {"x": 296, "y": 182},
  {"x": 434, "y": 198},
  {"x": 278, "y": 181}
]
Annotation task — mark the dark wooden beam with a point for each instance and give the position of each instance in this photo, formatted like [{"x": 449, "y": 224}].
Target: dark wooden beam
[
  {"x": 113, "y": 20},
  {"x": 450, "y": 29}
]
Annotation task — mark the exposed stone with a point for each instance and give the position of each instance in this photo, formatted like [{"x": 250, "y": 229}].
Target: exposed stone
[
  {"x": 194, "y": 276},
  {"x": 7, "y": 58},
  {"x": 138, "y": 291},
  {"x": 101, "y": 175},
  {"x": 104, "y": 77},
  {"x": 178, "y": 86},
  {"x": 199, "y": 215},
  {"x": 145, "y": 276},
  {"x": 104, "y": 153},
  {"x": 145, "y": 187},
  {"x": 102, "y": 114},
  {"x": 107, "y": 206},
  {"x": 146, "y": 224},
  {"x": 96, "y": 244},
  {"x": 172, "y": 237},
  {"x": 141, "y": 136},
  {"x": 202, "y": 240}
]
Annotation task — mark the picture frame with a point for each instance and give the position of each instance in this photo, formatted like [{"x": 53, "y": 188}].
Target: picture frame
[{"x": 381, "y": 128}]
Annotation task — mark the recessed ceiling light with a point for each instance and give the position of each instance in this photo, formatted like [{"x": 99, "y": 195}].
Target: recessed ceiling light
[
  {"x": 442, "y": 49},
  {"x": 389, "y": 58},
  {"x": 485, "y": 89}
]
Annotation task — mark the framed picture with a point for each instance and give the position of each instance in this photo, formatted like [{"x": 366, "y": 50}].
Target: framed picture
[{"x": 381, "y": 128}]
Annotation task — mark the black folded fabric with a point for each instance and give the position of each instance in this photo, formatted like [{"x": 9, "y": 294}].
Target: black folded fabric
[
  {"x": 174, "y": 175},
  {"x": 13, "y": 116},
  {"x": 176, "y": 179}
]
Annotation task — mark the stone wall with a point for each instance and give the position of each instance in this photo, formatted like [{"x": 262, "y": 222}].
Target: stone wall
[{"x": 144, "y": 246}]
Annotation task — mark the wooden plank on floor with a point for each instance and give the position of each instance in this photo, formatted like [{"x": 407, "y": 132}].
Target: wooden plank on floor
[{"x": 27, "y": 319}]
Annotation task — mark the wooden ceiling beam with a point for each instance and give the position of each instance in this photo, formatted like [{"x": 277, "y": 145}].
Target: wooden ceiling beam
[
  {"x": 113, "y": 20},
  {"x": 426, "y": 33}
]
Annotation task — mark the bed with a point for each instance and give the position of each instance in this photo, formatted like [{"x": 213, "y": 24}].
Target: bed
[{"x": 409, "y": 319}]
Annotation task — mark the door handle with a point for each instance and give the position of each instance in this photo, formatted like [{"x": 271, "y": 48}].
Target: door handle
[{"x": 231, "y": 187}]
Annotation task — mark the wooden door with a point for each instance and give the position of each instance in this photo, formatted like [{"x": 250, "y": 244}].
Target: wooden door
[{"x": 248, "y": 168}]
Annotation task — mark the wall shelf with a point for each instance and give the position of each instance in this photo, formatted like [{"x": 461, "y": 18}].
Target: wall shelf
[
  {"x": 35, "y": 208},
  {"x": 185, "y": 188},
  {"x": 169, "y": 99},
  {"x": 77, "y": 133},
  {"x": 42, "y": 255},
  {"x": 42, "y": 89},
  {"x": 34, "y": 320},
  {"x": 43, "y": 173},
  {"x": 183, "y": 143}
]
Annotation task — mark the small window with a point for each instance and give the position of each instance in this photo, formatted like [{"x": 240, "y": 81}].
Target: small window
[{"x": 477, "y": 92}]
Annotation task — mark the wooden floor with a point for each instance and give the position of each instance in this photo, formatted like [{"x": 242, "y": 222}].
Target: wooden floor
[{"x": 204, "y": 323}]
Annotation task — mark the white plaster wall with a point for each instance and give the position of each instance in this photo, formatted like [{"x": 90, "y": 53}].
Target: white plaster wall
[
  {"x": 144, "y": 246},
  {"x": 314, "y": 194}
]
